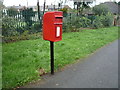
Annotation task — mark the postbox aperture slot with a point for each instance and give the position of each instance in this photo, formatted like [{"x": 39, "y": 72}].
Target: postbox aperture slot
[{"x": 58, "y": 19}]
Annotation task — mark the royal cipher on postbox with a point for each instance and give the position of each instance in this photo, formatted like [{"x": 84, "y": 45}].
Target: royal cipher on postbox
[{"x": 52, "y": 26}]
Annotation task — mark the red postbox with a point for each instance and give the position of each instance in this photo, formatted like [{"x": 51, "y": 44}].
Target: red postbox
[{"x": 52, "y": 26}]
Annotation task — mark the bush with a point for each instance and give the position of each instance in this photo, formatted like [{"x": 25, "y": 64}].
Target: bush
[
  {"x": 103, "y": 21},
  {"x": 24, "y": 36},
  {"x": 84, "y": 22},
  {"x": 80, "y": 22},
  {"x": 75, "y": 22},
  {"x": 9, "y": 27},
  {"x": 107, "y": 20},
  {"x": 97, "y": 23},
  {"x": 37, "y": 27},
  {"x": 66, "y": 24},
  {"x": 92, "y": 18},
  {"x": 20, "y": 29}
]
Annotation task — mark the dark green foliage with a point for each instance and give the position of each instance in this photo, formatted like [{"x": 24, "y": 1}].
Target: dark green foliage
[
  {"x": 119, "y": 3},
  {"x": 37, "y": 27},
  {"x": 15, "y": 24},
  {"x": 70, "y": 23},
  {"x": 75, "y": 22},
  {"x": 84, "y": 22},
  {"x": 20, "y": 29},
  {"x": 64, "y": 10},
  {"x": 107, "y": 20},
  {"x": 24, "y": 36},
  {"x": 8, "y": 26},
  {"x": 97, "y": 23},
  {"x": 12, "y": 12},
  {"x": 80, "y": 22},
  {"x": 18, "y": 23},
  {"x": 28, "y": 14},
  {"x": 81, "y": 6},
  {"x": 101, "y": 10},
  {"x": 104, "y": 18},
  {"x": 66, "y": 24},
  {"x": 103, "y": 21},
  {"x": 92, "y": 18}
]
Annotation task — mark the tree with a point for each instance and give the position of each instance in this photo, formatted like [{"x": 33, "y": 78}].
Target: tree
[
  {"x": 60, "y": 4},
  {"x": 119, "y": 3},
  {"x": 101, "y": 9},
  {"x": 64, "y": 10},
  {"x": 82, "y": 5}
]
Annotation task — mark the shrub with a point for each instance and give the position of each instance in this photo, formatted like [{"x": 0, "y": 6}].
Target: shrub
[
  {"x": 75, "y": 22},
  {"x": 97, "y": 23},
  {"x": 9, "y": 27},
  {"x": 80, "y": 22},
  {"x": 118, "y": 20},
  {"x": 107, "y": 20},
  {"x": 103, "y": 21},
  {"x": 66, "y": 24},
  {"x": 24, "y": 36},
  {"x": 92, "y": 18},
  {"x": 37, "y": 27},
  {"x": 84, "y": 22},
  {"x": 20, "y": 29}
]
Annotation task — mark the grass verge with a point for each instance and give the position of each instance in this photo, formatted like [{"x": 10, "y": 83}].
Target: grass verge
[{"x": 24, "y": 61}]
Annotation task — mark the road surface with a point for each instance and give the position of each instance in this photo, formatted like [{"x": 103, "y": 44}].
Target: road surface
[{"x": 99, "y": 70}]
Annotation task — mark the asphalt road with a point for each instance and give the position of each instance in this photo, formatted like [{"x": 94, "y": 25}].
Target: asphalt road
[{"x": 99, "y": 70}]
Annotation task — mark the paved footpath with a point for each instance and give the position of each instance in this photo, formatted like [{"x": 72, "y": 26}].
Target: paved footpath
[{"x": 99, "y": 70}]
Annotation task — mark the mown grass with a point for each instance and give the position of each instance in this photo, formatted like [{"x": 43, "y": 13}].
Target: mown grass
[{"x": 23, "y": 60}]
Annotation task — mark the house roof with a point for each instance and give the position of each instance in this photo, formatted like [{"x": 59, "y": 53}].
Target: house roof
[
  {"x": 113, "y": 7},
  {"x": 68, "y": 7}
]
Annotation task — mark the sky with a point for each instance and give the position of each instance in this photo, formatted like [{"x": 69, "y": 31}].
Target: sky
[{"x": 48, "y": 2}]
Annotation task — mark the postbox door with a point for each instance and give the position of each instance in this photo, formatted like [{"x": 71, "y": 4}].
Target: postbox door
[
  {"x": 58, "y": 30},
  {"x": 58, "y": 26}
]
